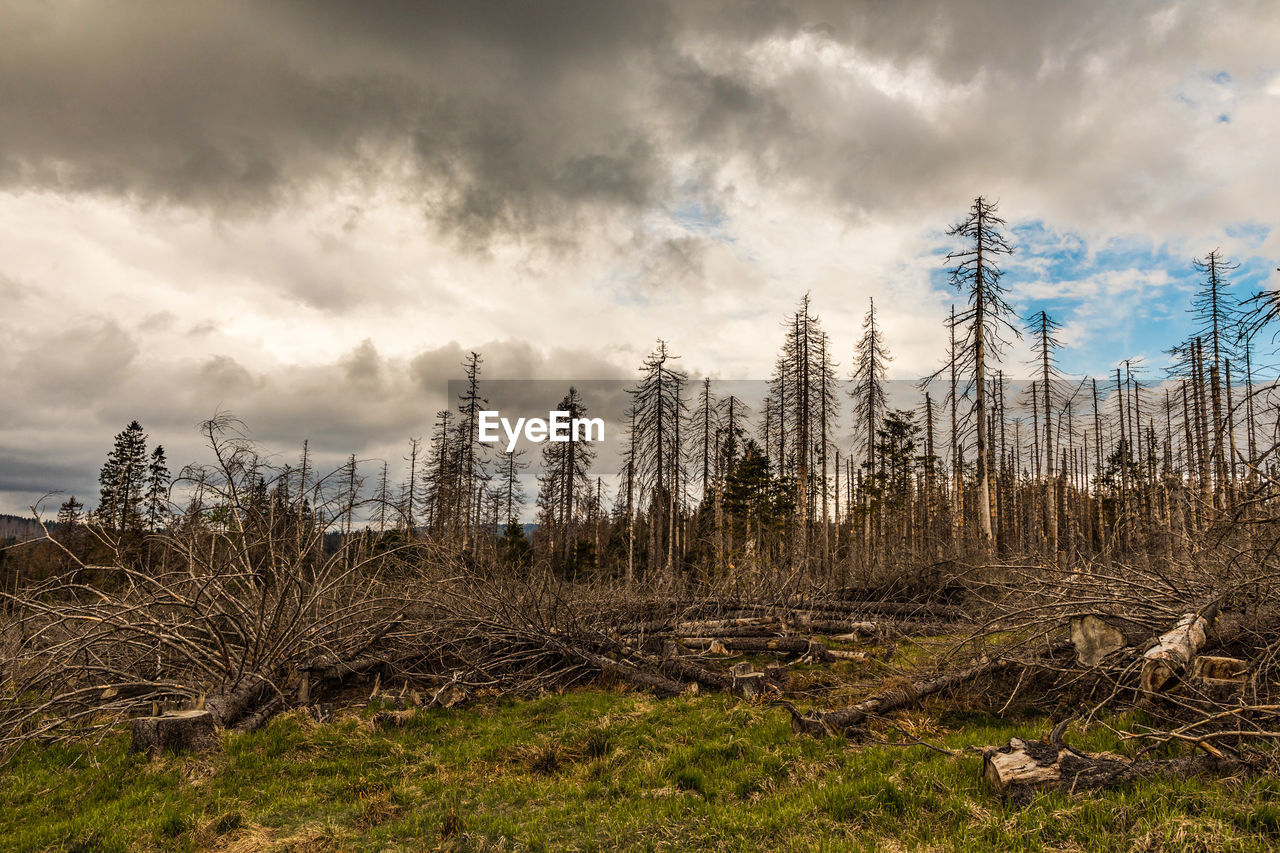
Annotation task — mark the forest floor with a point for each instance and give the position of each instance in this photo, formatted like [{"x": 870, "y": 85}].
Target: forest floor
[{"x": 601, "y": 769}]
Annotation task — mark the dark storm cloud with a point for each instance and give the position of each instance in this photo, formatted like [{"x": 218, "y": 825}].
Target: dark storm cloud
[
  {"x": 75, "y": 364},
  {"x": 505, "y": 116},
  {"x": 35, "y": 475},
  {"x": 364, "y": 403},
  {"x": 252, "y": 173},
  {"x": 533, "y": 118}
]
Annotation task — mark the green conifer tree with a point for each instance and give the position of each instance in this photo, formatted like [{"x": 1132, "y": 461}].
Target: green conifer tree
[
  {"x": 157, "y": 489},
  {"x": 122, "y": 480}
]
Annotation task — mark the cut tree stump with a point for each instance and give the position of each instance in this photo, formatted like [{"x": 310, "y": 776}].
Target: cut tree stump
[
  {"x": 1173, "y": 653},
  {"x": 1220, "y": 679},
  {"x": 1213, "y": 669},
  {"x": 180, "y": 730},
  {"x": 747, "y": 683}
]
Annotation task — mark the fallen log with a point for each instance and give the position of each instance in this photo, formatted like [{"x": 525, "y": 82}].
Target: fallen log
[
  {"x": 653, "y": 682},
  {"x": 742, "y": 631},
  {"x": 724, "y": 607},
  {"x": 806, "y": 622},
  {"x": 774, "y": 645},
  {"x": 907, "y": 693},
  {"x": 884, "y": 608},
  {"x": 674, "y": 664},
  {"x": 857, "y": 630},
  {"x": 1173, "y": 652},
  {"x": 231, "y": 704},
  {"x": 1039, "y": 764},
  {"x": 331, "y": 670},
  {"x": 693, "y": 626},
  {"x": 631, "y": 674},
  {"x": 259, "y": 718},
  {"x": 902, "y": 695},
  {"x": 1021, "y": 767},
  {"x": 803, "y": 626}
]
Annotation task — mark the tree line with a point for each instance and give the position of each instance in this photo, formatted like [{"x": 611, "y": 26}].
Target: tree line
[{"x": 974, "y": 466}]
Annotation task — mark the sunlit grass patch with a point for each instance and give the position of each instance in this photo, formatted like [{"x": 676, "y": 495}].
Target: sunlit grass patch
[{"x": 602, "y": 770}]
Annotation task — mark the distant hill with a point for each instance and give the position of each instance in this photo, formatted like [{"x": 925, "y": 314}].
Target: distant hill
[{"x": 18, "y": 528}]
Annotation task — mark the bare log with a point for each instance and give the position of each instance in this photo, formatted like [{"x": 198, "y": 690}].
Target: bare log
[
  {"x": 775, "y": 645},
  {"x": 1040, "y": 764},
  {"x": 886, "y": 608},
  {"x": 908, "y": 693},
  {"x": 260, "y": 717},
  {"x": 1020, "y": 767},
  {"x": 228, "y": 706},
  {"x": 1173, "y": 652},
  {"x": 903, "y": 695},
  {"x": 676, "y": 665}
]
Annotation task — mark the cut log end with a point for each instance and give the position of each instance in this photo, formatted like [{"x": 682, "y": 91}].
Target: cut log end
[
  {"x": 1094, "y": 638},
  {"x": 193, "y": 731}
]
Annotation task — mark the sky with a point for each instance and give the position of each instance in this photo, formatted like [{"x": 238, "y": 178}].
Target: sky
[{"x": 305, "y": 214}]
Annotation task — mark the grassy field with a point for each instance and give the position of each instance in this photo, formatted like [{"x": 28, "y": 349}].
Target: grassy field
[{"x": 596, "y": 770}]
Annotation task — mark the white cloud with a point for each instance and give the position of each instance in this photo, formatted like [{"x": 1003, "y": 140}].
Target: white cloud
[{"x": 310, "y": 227}]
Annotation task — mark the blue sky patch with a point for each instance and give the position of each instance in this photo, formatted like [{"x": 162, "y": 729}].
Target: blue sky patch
[{"x": 1118, "y": 298}]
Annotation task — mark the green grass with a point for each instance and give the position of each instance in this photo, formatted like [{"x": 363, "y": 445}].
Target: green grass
[{"x": 598, "y": 770}]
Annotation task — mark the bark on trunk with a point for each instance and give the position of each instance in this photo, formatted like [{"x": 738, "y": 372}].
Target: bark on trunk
[
  {"x": 1173, "y": 653},
  {"x": 753, "y": 645},
  {"x": 231, "y": 704},
  {"x": 1021, "y": 767}
]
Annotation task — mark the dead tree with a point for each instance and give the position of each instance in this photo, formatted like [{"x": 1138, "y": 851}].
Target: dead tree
[{"x": 977, "y": 274}]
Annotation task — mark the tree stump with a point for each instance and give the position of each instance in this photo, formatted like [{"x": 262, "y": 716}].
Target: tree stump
[
  {"x": 747, "y": 683},
  {"x": 179, "y": 730},
  {"x": 1220, "y": 679}
]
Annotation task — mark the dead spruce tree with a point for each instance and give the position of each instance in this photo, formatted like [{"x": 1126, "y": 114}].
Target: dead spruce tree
[
  {"x": 977, "y": 274},
  {"x": 471, "y": 453},
  {"x": 1217, "y": 321},
  {"x": 656, "y": 455},
  {"x": 870, "y": 360},
  {"x": 1045, "y": 346},
  {"x": 561, "y": 485},
  {"x": 802, "y": 395}
]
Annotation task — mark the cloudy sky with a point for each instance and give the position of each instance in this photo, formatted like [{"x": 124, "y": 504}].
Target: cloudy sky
[{"x": 305, "y": 213}]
